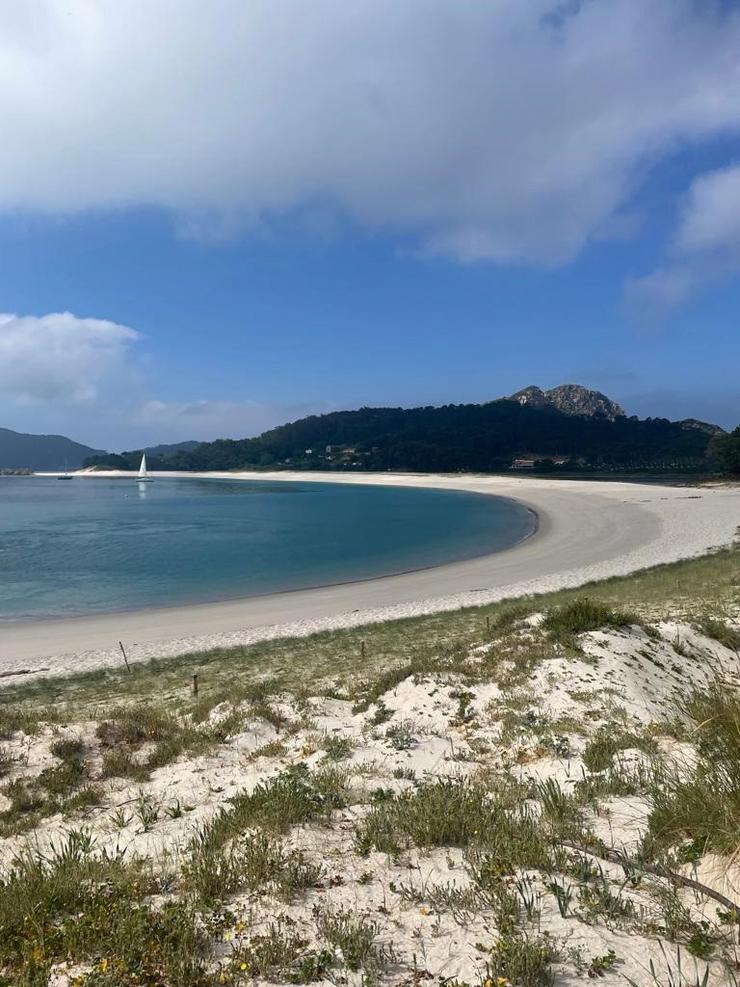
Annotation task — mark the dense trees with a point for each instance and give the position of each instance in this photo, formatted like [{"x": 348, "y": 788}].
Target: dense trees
[
  {"x": 484, "y": 437},
  {"x": 724, "y": 450}
]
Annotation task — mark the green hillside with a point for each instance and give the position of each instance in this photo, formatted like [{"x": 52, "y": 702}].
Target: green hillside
[{"x": 455, "y": 437}]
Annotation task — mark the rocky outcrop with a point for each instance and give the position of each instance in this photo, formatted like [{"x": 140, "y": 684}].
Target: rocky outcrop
[
  {"x": 702, "y": 426},
  {"x": 570, "y": 399}
]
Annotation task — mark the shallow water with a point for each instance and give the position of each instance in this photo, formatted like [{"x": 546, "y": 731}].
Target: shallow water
[{"x": 97, "y": 545}]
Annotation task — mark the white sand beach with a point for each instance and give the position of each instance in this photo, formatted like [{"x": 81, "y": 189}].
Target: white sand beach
[{"x": 586, "y": 530}]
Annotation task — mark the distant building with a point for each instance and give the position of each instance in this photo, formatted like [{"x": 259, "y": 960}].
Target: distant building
[{"x": 523, "y": 464}]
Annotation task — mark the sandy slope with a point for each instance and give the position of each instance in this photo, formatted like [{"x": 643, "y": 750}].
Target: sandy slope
[
  {"x": 587, "y": 530},
  {"x": 561, "y": 704}
]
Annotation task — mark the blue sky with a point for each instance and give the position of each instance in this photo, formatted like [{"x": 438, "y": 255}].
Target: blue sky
[{"x": 265, "y": 215}]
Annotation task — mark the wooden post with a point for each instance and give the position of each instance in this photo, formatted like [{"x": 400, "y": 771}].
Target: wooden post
[
  {"x": 123, "y": 652},
  {"x": 195, "y": 683},
  {"x": 488, "y": 624},
  {"x": 362, "y": 649}
]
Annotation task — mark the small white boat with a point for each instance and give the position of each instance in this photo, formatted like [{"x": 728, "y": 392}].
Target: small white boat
[
  {"x": 66, "y": 475},
  {"x": 142, "y": 477}
]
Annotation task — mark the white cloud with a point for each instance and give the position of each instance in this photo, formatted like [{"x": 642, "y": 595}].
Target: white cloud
[
  {"x": 177, "y": 421},
  {"x": 665, "y": 288},
  {"x": 711, "y": 219},
  {"x": 508, "y": 130},
  {"x": 60, "y": 357},
  {"x": 706, "y": 243},
  {"x": 63, "y": 373}
]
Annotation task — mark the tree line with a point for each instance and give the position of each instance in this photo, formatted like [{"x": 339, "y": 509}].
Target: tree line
[{"x": 471, "y": 437}]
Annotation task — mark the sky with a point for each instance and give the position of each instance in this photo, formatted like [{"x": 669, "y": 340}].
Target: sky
[{"x": 217, "y": 217}]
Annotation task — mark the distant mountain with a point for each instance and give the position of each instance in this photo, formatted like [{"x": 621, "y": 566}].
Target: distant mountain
[
  {"x": 571, "y": 399},
  {"x": 568, "y": 427},
  {"x": 19, "y": 450}
]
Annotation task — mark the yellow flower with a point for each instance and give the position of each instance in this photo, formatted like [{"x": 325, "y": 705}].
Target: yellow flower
[
  {"x": 502, "y": 982},
  {"x": 243, "y": 966},
  {"x": 103, "y": 965},
  {"x": 228, "y": 936}
]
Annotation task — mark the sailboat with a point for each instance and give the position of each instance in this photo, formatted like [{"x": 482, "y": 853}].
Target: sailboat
[
  {"x": 142, "y": 477},
  {"x": 66, "y": 475}
]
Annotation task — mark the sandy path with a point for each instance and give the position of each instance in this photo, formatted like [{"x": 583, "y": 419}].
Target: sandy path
[{"x": 587, "y": 530}]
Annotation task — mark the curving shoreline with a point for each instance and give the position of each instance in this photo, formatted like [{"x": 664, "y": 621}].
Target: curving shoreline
[{"x": 585, "y": 531}]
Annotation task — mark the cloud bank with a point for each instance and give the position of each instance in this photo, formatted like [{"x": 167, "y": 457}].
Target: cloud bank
[
  {"x": 61, "y": 358},
  {"x": 509, "y": 131}
]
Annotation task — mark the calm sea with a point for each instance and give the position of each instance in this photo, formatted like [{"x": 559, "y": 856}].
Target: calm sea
[{"x": 96, "y": 545}]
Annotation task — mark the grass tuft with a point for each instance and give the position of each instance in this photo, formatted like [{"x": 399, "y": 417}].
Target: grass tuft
[
  {"x": 609, "y": 740},
  {"x": 496, "y": 822},
  {"x": 723, "y": 633},
  {"x": 566, "y": 622},
  {"x": 699, "y": 809}
]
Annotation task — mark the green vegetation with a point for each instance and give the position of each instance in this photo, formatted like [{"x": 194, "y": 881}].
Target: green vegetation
[
  {"x": 583, "y": 614},
  {"x": 126, "y": 729},
  {"x": 495, "y": 820},
  {"x": 521, "y": 960},
  {"x": 353, "y": 936},
  {"x": 281, "y": 954},
  {"x": 291, "y": 798},
  {"x": 73, "y": 903},
  {"x": 455, "y": 437},
  {"x": 727, "y": 636},
  {"x": 6, "y": 761},
  {"x": 607, "y": 741},
  {"x": 724, "y": 450},
  {"x": 215, "y": 869},
  {"x": 699, "y": 809}
]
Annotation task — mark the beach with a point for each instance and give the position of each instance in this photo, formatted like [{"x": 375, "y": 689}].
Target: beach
[{"x": 586, "y": 530}]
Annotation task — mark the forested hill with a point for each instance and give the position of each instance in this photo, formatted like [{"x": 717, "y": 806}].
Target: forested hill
[
  {"x": 19, "y": 450},
  {"x": 457, "y": 437}
]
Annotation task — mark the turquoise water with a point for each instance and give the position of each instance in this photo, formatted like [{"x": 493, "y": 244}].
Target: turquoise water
[{"x": 95, "y": 545}]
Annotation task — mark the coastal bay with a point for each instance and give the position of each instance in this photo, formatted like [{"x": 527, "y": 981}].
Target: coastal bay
[{"x": 586, "y": 531}]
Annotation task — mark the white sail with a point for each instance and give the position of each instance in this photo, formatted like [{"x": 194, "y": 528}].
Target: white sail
[{"x": 142, "y": 468}]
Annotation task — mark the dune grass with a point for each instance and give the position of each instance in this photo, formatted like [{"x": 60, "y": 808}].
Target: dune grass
[
  {"x": 73, "y": 903},
  {"x": 696, "y": 809},
  {"x": 564, "y": 623},
  {"x": 698, "y": 589},
  {"x": 130, "y": 922}
]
